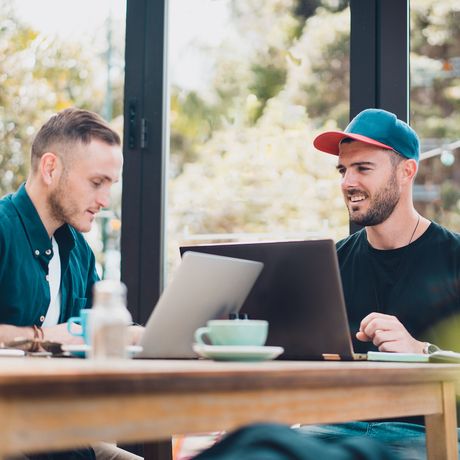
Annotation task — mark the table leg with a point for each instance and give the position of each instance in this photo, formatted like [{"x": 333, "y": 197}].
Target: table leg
[{"x": 441, "y": 429}]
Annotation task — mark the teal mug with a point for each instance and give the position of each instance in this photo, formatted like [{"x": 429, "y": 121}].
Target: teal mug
[
  {"x": 243, "y": 332},
  {"x": 83, "y": 321}
]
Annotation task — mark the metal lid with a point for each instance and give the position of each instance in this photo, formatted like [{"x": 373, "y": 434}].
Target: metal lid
[{"x": 109, "y": 292}]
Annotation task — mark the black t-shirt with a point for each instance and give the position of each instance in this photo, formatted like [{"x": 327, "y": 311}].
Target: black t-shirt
[{"x": 418, "y": 283}]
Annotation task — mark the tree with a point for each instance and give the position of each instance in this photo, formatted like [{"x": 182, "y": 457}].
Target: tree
[
  {"x": 435, "y": 96},
  {"x": 39, "y": 76},
  {"x": 282, "y": 76},
  {"x": 254, "y": 169}
]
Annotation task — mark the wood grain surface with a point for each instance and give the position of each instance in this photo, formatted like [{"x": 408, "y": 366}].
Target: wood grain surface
[
  {"x": 65, "y": 376},
  {"x": 48, "y": 404}
]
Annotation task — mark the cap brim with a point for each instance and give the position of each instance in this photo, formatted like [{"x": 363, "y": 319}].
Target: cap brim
[{"x": 329, "y": 141}]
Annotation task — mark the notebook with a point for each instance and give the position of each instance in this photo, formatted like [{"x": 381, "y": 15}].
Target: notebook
[{"x": 204, "y": 287}]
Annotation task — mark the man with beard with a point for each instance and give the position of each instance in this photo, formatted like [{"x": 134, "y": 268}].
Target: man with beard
[
  {"x": 47, "y": 270},
  {"x": 401, "y": 272}
]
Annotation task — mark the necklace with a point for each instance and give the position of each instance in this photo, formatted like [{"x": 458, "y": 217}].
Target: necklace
[
  {"x": 397, "y": 269},
  {"x": 415, "y": 229}
]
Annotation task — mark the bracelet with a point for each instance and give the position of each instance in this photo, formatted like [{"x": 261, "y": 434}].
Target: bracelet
[
  {"x": 38, "y": 338},
  {"x": 38, "y": 332}
]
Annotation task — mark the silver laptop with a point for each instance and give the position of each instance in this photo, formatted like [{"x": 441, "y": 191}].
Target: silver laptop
[{"x": 204, "y": 287}]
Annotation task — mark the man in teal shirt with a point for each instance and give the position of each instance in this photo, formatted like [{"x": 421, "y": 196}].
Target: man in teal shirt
[
  {"x": 26, "y": 250},
  {"x": 47, "y": 270}
]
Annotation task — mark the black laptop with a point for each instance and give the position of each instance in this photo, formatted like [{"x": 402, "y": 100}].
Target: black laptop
[{"x": 299, "y": 292}]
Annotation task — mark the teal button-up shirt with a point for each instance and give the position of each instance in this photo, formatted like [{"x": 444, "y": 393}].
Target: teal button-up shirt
[{"x": 25, "y": 252}]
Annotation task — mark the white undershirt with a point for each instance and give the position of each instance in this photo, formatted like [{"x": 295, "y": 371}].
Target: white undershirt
[{"x": 54, "y": 279}]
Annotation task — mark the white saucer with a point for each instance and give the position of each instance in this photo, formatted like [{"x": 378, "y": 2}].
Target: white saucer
[
  {"x": 237, "y": 352},
  {"x": 80, "y": 350}
]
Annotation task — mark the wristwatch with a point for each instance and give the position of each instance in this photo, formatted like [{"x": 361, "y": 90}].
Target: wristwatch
[{"x": 430, "y": 348}]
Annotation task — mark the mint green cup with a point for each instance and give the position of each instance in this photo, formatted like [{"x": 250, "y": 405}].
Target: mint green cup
[{"x": 233, "y": 332}]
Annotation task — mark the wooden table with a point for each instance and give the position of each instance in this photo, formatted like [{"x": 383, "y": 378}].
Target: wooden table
[{"x": 48, "y": 404}]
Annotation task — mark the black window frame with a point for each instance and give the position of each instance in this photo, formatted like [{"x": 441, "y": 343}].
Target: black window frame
[{"x": 379, "y": 77}]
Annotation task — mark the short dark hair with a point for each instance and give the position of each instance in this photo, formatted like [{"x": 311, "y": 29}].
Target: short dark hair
[
  {"x": 71, "y": 126},
  {"x": 395, "y": 158},
  {"x": 347, "y": 140}
]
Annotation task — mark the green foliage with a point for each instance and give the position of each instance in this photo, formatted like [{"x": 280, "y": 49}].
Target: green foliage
[
  {"x": 192, "y": 124},
  {"x": 435, "y": 40},
  {"x": 435, "y": 96},
  {"x": 450, "y": 195},
  {"x": 268, "y": 81},
  {"x": 328, "y": 86},
  {"x": 39, "y": 76},
  {"x": 253, "y": 168},
  {"x": 241, "y": 154}
]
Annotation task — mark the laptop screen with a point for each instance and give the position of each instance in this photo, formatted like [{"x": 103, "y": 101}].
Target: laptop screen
[{"x": 204, "y": 287}]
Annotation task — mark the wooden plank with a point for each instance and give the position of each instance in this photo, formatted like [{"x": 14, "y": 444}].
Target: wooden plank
[
  {"x": 58, "y": 404},
  {"x": 70, "y": 377},
  {"x": 70, "y": 422},
  {"x": 441, "y": 429}
]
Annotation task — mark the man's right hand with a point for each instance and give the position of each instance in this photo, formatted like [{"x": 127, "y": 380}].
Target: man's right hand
[
  {"x": 60, "y": 334},
  {"x": 388, "y": 334}
]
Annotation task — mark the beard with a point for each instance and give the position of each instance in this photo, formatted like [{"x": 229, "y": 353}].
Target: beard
[
  {"x": 62, "y": 208},
  {"x": 381, "y": 205}
]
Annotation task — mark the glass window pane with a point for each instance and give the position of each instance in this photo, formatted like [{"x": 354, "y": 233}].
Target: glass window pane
[
  {"x": 56, "y": 55},
  {"x": 251, "y": 83},
  {"x": 435, "y": 104}
]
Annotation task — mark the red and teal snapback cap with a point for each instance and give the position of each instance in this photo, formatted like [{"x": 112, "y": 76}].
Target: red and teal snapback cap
[{"x": 375, "y": 127}]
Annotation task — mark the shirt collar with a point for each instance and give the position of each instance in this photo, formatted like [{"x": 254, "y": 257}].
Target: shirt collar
[{"x": 37, "y": 235}]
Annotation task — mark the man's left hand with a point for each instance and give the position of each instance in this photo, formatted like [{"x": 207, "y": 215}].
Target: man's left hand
[
  {"x": 135, "y": 333},
  {"x": 388, "y": 334}
]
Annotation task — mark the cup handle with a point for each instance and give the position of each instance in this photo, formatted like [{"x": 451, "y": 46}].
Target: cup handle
[
  {"x": 200, "y": 333},
  {"x": 74, "y": 320}
]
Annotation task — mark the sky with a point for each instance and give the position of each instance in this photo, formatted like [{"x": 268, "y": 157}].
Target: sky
[
  {"x": 193, "y": 24},
  {"x": 68, "y": 18}
]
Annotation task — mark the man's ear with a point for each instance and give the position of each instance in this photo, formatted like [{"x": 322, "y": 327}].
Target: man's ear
[
  {"x": 49, "y": 167},
  {"x": 409, "y": 170}
]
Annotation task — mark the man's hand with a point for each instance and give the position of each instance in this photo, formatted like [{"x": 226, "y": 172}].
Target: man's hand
[
  {"x": 388, "y": 334},
  {"x": 135, "y": 334},
  {"x": 60, "y": 334}
]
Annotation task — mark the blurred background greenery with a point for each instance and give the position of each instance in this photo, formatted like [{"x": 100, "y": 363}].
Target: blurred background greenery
[
  {"x": 251, "y": 83},
  {"x": 50, "y": 62}
]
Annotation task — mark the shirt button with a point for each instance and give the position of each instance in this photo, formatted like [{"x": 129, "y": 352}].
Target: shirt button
[
  {"x": 47, "y": 277},
  {"x": 37, "y": 252},
  {"x": 42, "y": 318},
  {"x": 48, "y": 252}
]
